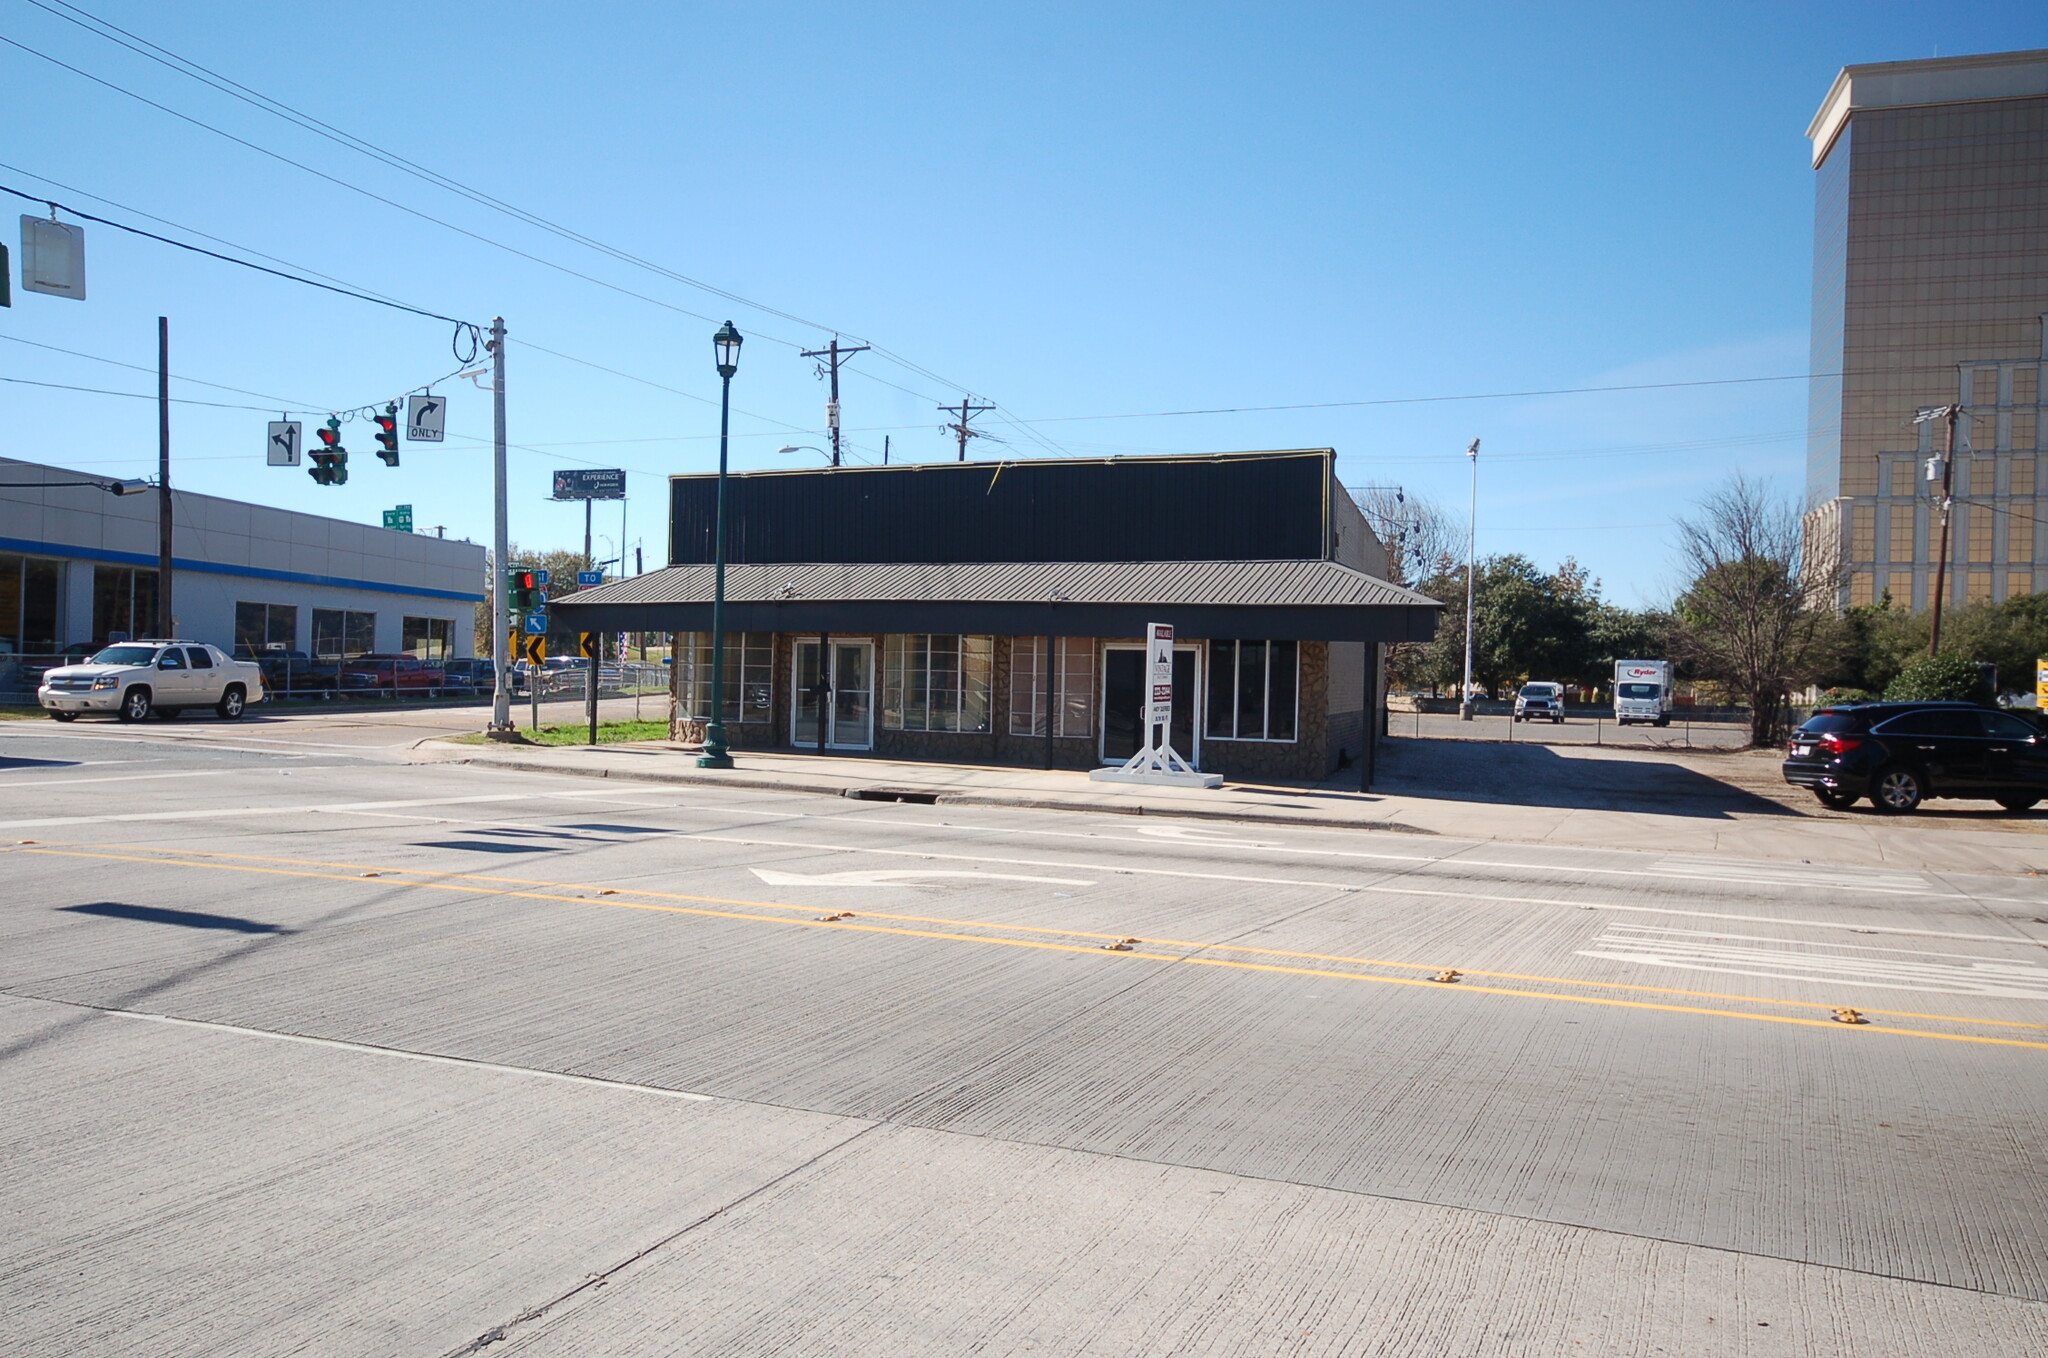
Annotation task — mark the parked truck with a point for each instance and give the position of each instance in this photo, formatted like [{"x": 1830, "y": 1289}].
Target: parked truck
[{"x": 1642, "y": 692}]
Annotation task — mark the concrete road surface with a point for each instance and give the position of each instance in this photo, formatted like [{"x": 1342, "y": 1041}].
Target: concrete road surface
[
  {"x": 1681, "y": 734},
  {"x": 306, "y": 1051}
]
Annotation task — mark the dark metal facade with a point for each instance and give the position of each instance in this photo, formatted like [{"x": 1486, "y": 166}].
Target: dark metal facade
[{"x": 1233, "y": 507}]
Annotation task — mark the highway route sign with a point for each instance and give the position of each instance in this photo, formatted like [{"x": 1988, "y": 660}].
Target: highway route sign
[
  {"x": 399, "y": 519},
  {"x": 426, "y": 418},
  {"x": 286, "y": 438}
]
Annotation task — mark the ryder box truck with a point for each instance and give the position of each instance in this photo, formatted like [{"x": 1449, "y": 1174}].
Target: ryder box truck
[{"x": 1642, "y": 692}]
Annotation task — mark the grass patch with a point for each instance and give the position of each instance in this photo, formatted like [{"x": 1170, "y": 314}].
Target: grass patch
[
  {"x": 18, "y": 712},
  {"x": 578, "y": 733}
]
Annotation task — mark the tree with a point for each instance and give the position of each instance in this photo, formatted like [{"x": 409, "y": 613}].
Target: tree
[
  {"x": 1940, "y": 678},
  {"x": 1530, "y": 625},
  {"x": 1756, "y": 614},
  {"x": 1414, "y": 529}
]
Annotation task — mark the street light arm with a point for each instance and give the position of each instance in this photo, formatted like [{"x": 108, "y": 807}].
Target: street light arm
[{"x": 132, "y": 486}]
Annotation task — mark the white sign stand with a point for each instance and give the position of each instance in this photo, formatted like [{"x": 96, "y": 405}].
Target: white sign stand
[{"x": 1156, "y": 760}]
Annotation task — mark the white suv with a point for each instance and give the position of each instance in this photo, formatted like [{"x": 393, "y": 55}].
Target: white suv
[{"x": 135, "y": 678}]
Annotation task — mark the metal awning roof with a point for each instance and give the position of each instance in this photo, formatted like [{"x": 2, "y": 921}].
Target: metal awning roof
[{"x": 1303, "y": 599}]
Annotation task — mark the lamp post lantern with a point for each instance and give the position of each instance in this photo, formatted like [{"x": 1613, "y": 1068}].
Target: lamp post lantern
[{"x": 727, "y": 343}]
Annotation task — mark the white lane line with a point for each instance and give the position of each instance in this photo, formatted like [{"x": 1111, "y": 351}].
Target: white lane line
[
  {"x": 1651, "y": 929},
  {"x": 2001, "y": 980},
  {"x": 1382, "y": 888},
  {"x": 131, "y": 778},
  {"x": 1795, "y": 875},
  {"x": 368, "y": 1049},
  {"x": 228, "y": 812},
  {"x": 893, "y": 876}
]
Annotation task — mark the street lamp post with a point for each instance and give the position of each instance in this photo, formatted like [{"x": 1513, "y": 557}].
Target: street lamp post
[
  {"x": 727, "y": 343},
  {"x": 1471, "y": 576},
  {"x": 804, "y": 448}
]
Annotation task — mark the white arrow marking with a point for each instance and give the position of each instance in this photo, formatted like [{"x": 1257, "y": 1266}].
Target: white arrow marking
[
  {"x": 891, "y": 876},
  {"x": 1201, "y": 834}
]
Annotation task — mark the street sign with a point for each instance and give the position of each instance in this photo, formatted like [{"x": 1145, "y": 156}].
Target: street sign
[
  {"x": 286, "y": 438},
  {"x": 53, "y": 258},
  {"x": 1159, "y": 675},
  {"x": 537, "y": 623},
  {"x": 399, "y": 519},
  {"x": 541, "y": 578},
  {"x": 590, "y": 484},
  {"x": 426, "y": 418},
  {"x": 536, "y": 653},
  {"x": 585, "y": 579},
  {"x": 2041, "y": 683},
  {"x": 586, "y": 642}
]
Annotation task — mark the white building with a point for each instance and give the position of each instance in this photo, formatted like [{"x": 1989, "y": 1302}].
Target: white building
[{"x": 78, "y": 566}]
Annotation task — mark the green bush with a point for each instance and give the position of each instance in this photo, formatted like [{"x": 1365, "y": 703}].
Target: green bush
[
  {"x": 1835, "y": 697},
  {"x": 1937, "y": 678}
]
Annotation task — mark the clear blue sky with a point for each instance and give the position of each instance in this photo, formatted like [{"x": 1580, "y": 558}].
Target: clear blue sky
[{"x": 1071, "y": 210}]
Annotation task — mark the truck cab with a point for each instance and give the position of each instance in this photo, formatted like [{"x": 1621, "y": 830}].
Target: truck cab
[{"x": 1643, "y": 692}]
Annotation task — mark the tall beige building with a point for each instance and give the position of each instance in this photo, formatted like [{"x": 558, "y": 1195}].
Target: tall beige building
[{"x": 1930, "y": 286}]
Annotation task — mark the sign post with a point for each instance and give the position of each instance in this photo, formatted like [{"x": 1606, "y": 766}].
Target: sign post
[
  {"x": 1156, "y": 760},
  {"x": 592, "y": 646}
]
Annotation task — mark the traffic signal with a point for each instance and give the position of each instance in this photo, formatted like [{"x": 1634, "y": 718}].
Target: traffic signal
[
  {"x": 330, "y": 459},
  {"x": 387, "y": 434},
  {"x": 522, "y": 589}
]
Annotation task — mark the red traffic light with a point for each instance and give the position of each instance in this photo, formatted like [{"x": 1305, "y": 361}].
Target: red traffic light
[
  {"x": 330, "y": 433},
  {"x": 387, "y": 434}
]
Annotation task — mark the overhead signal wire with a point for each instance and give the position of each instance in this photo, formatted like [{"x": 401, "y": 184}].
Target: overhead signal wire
[{"x": 230, "y": 259}]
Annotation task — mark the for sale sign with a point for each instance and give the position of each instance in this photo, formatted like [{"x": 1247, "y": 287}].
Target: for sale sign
[{"x": 1158, "y": 675}]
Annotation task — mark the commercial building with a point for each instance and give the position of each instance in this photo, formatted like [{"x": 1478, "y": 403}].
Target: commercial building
[
  {"x": 993, "y": 612},
  {"x": 1930, "y": 283},
  {"x": 78, "y": 566}
]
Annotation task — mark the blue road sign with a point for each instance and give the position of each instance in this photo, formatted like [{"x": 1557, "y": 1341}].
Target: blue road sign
[
  {"x": 541, "y": 578},
  {"x": 585, "y": 579},
  {"x": 537, "y": 624}
]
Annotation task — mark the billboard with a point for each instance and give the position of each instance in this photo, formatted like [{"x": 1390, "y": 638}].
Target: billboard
[{"x": 591, "y": 484}]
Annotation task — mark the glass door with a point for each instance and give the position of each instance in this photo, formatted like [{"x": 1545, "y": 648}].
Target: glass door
[
  {"x": 844, "y": 693},
  {"x": 1123, "y": 703}
]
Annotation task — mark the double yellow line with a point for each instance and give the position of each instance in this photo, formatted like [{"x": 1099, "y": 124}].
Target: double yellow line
[{"x": 1283, "y": 962}]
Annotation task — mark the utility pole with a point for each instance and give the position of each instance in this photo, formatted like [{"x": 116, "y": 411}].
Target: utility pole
[
  {"x": 1471, "y": 577},
  {"x": 1948, "y": 477},
  {"x": 960, "y": 430},
  {"x": 834, "y": 356},
  {"x": 164, "y": 625},
  {"x": 501, "y": 539}
]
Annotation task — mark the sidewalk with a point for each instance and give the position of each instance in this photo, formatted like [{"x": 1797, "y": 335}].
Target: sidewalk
[{"x": 1650, "y": 801}]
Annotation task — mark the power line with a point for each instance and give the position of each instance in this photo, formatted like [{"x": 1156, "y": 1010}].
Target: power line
[
  {"x": 193, "y": 70},
  {"x": 230, "y": 259}
]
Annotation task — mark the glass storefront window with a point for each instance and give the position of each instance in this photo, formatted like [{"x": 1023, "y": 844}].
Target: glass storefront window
[
  {"x": 123, "y": 603},
  {"x": 427, "y": 638},
  {"x": 1252, "y": 690},
  {"x": 341, "y": 634},
  {"x": 933, "y": 682},
  {"x": 265, "y": 627}
]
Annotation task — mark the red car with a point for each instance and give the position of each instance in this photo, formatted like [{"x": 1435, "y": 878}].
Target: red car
[{"x": 390, "y": 674}]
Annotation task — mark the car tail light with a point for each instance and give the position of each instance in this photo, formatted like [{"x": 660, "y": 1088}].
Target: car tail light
[{"x": 1837, "y": 744}]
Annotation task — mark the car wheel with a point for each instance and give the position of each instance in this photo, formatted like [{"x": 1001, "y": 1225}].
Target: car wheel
[
  {"x": 2017, "y": 804},
  {"x": 168, "y": 713},
  {"x": 1896, "y": 789},
  {"x": 62, "y": 716},
  {"x": 1828, "y": 796},
  {"x": 135, "y": 704},
  {"x": 231, "y": 703}
]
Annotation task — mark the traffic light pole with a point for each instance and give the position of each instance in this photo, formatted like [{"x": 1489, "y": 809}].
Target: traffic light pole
[{"x": 501, "y": 542}]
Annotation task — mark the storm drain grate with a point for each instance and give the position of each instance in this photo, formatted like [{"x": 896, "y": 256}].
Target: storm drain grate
[{"x": 893, "y": 794}]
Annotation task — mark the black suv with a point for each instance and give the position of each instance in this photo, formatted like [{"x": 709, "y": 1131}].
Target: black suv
[{"x": 1899, "y": 753}]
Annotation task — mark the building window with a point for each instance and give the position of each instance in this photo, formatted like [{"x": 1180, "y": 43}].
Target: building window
[
  {"x": 1902, "y": 533},
  {"x": 1979, "y": 586},
  {"x": 936, "y": 683},
  {"x": 1860, "y": 585},
  {"x": 1862, "y": 532},
  {"x": 339, "y": 634},
  {"x": 749, "y": 676},
  {"x": 427, "y": 638},
  {"x": 2019, "y": 531},
  {"x": 1901, "y": 589},
  {"x": 1073, "y": 686},
  {"x": 1980, "y": 532},
  {"x": 2018, "y": 583},
  {"x": 29, "y": 604},
  {"x": 265, "y": 627},
  {"x": 1252, "y": 690},
  {"x": 123, "y": 603}
]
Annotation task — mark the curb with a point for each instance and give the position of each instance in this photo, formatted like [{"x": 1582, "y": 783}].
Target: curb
[{"x": 944, "y": 798}]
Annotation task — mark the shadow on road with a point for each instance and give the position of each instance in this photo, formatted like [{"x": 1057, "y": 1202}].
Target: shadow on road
[
  {"x": 188, "y": 919},
  {"x": 1544, "y": 775}
]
